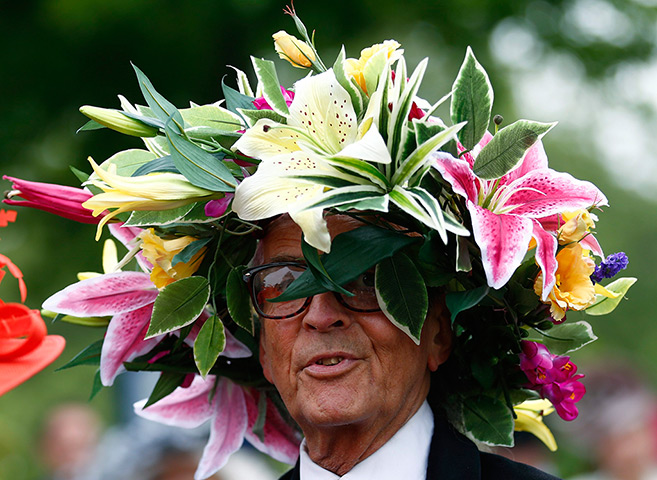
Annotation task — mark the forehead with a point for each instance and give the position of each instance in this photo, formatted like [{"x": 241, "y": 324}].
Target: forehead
[{"x": 283, "y": 238}]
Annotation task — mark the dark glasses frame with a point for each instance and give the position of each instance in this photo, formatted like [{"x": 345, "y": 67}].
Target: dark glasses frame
[{"x": 249, "y": 274}]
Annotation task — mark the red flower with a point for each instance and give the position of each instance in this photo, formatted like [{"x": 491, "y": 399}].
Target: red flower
[{"x": 261, "y": 104}]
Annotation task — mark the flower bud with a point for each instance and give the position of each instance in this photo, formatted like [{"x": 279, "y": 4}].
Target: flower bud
[
  {"x": 116, "y": 120},
  {"x": 295, "y": 51}
]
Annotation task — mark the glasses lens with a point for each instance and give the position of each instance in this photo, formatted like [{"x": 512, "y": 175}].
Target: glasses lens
[
  {"x": 364, "y": 298},
  {"x": 272, "y": 282}
]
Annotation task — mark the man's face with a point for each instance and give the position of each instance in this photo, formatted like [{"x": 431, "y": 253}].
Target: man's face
[{"x": 333, "y": 366}]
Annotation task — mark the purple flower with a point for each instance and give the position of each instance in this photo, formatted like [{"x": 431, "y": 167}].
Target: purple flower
[{"x": 610, "y": 266}]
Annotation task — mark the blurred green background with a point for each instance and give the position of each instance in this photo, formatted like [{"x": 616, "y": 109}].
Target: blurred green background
[{"x": 590, "y": 64}]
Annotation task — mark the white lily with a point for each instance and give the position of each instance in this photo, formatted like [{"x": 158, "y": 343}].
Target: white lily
[{"x": 299, "y": 160}]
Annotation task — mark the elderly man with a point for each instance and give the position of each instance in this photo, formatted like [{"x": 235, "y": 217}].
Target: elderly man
[{"x": 355, "y": 383}]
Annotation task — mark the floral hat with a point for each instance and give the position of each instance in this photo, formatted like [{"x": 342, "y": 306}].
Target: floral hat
[{"x": 463, "y": 205}]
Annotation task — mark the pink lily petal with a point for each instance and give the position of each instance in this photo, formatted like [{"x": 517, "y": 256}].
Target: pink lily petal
[
  {"x": 546, "y": 250},
  {"x": 124, "y": 341},
  {"x": 281, "y": 439},
  {"x": 542, "y": 193},
  {"x": 185, "y": 408},
  {"x": 459, "y": 174},
  {"x": 108, "y": 294},
  {"x": 227, "y": 428},
  {"x": 591, "y": 243},
  {"x": 126, "y": 235},
  {"x": 554, "y": 222},
  {"x": 503, "y": 240}
]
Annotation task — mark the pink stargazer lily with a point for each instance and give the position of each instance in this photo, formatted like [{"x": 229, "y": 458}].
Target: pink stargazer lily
[
  {"x": 233, "y": 412},
  {"x": 58, "y": 199},
  {"x": 507, "y": 212},
  {"x": 126, "y": 296}
]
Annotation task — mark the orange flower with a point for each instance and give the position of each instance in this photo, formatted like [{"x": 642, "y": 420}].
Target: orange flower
[
  {"x": 295, "y": 51},
  {"x": 160, "y": 253},
  {"x": 573, "y": 288}
]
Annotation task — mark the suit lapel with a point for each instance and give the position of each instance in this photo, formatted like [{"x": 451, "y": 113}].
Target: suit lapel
[{"x": 452, "y": 456}]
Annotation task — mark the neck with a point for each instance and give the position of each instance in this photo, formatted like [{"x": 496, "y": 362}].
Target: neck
[{"x": 339, "y": 448}]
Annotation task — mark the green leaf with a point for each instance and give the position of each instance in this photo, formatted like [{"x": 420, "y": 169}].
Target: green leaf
[
  {"x": 314, "y": 262},
  {"x": 236, "y": 100},
  {"x": 201, "y": 168},
  {"x": 421, "y": 155},
  {"x": 143, "y": 218},
  {"x": 178, "y": 305},
  {"x": 211, "y": 116},
  {"x": 472, "y": 100},
  {"x": 101, "y": 322},
  {"x": 238, "y": 300},
  {"x": 565, "y": 337},
  {"x": 90, "y": 355},
  {"x": 243, "y": 82},
  {"x": 379, "y": 204},
  {"x": 458, "y": 302},
  {"x": 271, "y": 88},
  {"x": 162, "y": 164},
  {"x": 345, "y": 82},
  {"x": 351, "y": 194},
  {"x": 79, "y": 174},
  {"x": 402, "y": 294},
  {"x": 604, "y": 305},
  {"x": 259, "y": 425},
  {"x": 508, "y": 147},
  {"x": 252, "y": 116},
  {"x": 186, "y": 254},
  {"x": 489, "y": 420},
  {"x": 165, "y": 385},
  {"x": 96, "y": 386},
  {"x": 360, "y": 168},
  {"x": 90, "y": 125},
  {"x": 463, "y": 263},
  {"x": 127, "y": 162},
  {"x": 426, "y": 131},
  {"x": 160, "y": 106},
  {"x": 209, "y": 343},
  {"x": 401, "y": 109},
  {"x": 352, "y": 253}
]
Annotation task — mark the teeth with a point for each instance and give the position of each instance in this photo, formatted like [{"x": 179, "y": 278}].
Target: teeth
[{"x": 329, "y": 361}]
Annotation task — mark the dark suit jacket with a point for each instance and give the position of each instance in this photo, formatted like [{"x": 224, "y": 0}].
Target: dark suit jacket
[{"x": 454, "y": 457}]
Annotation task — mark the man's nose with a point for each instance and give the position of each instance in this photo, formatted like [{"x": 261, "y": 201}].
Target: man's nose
[{"x": 325, "y": 312}]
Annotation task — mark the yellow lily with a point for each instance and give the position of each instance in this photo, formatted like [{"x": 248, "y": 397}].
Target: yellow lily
[
  {"x": 155, "y": 191},
  {"x": 530, "y": 419}
]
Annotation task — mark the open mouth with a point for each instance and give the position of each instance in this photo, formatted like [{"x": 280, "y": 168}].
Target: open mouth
[{"x": 327, "y": 362}]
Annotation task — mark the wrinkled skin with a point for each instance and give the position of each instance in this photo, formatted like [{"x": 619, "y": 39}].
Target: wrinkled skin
[{"x": 348, "y": 410}]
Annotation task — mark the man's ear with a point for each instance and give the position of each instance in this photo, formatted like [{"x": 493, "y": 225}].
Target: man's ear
[
  {"x": 440, "y": 342},
  {"x": 264, "y": 359}
]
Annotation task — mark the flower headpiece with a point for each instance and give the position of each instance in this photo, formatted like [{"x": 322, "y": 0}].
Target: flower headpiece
[{"x": 447, "y": 204}]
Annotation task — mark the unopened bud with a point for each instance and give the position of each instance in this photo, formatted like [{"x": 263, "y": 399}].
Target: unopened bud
[
  {"x": 116, "y": 120},
  {"x": 295, "y": 51},
  {"x": 498, "y": 119}
]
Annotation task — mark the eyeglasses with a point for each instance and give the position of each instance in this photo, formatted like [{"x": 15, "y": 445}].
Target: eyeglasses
[{"x": 268, "y": 281}]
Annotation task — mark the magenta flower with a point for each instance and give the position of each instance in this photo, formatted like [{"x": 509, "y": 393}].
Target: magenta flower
[
  {"x": 261, "y": 104},
  {"x": 216, "y": 208},
  {"x": 58, "y": 199},
  {"x": 553, "y": 377},
  {"x": 232, "y": 411},
  {"x": 506, "y": 213}
]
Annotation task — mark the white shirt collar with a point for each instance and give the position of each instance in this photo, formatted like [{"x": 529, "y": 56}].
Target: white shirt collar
[{"x": 411, "y": 443}]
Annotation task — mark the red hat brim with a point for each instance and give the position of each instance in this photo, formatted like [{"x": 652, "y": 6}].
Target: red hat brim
[{"x": 16, "y": 371}]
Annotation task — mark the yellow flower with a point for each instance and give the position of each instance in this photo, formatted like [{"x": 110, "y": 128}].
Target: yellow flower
[
  {"x": 160, "y": 253},
  {"x": 530, "y": 419},
  {"x": 577, "y": 226},
  {"x": 295, "y": 51},
  {"x": 355, "y": 68},
  {"x": 573, "y": 288},
  {"x": 155, "y": 191}
]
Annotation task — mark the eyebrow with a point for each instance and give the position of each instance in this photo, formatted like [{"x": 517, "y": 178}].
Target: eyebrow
[{"x": 286, "y": 258}]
